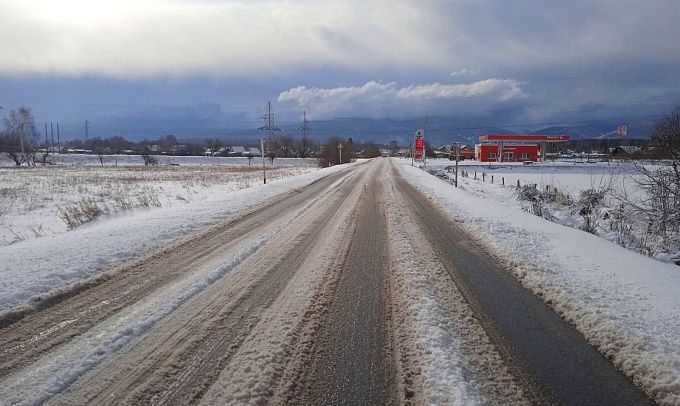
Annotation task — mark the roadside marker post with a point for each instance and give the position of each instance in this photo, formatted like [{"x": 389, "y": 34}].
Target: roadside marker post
[
  {"x": 457, "y": 159},
  {"x": 264, "y": 169}
]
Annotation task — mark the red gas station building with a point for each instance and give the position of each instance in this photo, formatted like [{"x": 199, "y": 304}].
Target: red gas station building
[{"x": 514, "y": 147}]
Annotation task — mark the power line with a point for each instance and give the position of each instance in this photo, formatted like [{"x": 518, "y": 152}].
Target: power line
[
  {"x": 268, "y": 118},
  {"x": 305, "y": 125}
]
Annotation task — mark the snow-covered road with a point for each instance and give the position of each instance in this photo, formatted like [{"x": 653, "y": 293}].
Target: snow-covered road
[{"x": 349, "y": 287}]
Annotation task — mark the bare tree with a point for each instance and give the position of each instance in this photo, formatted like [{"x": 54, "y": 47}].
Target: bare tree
[
  {"x": 371, "y": 150},
  {"x": 272, "y": 148},
  {"x": 666, "y": 140},
  {"x": 329, "y": 154},
  {"x": 214, "y": 145},
  {"x": 148, "y": 158},
  {"x": 43, "y": 157},
  {"x": 100, "y": 155},
  {"x": 21, "y": 136},
  {"x": 168, "y": 143},
  {"x": 305, "y": 147},
  {"x": 659, "y": 207},
  {"x": 286, "y": 146}
]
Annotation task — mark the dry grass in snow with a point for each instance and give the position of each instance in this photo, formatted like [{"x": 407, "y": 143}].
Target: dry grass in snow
[{"x": 41, "y": 201}]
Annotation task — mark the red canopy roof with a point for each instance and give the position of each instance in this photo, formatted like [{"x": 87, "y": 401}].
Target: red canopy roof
[{"x": 524, "y": 137}]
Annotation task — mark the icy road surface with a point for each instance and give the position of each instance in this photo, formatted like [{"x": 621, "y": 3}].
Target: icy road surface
[{"x": 354, "y": 289}]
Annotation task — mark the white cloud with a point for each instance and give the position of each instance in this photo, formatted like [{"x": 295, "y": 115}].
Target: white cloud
[
  {"x": 499, "y": 89},
  {"x": 462, "y": 72},
  {"x": 374, "y": 98}
]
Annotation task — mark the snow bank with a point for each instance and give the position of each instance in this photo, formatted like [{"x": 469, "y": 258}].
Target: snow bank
[{"x": 625, "y": 304}]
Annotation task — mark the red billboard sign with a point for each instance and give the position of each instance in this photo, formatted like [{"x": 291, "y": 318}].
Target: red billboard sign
[{"x": 420, "y": 147}]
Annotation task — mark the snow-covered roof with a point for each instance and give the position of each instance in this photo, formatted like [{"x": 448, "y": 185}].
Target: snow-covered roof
[
  {"x": 238, "y": 149},
  {"x": 627, "y": 148}
]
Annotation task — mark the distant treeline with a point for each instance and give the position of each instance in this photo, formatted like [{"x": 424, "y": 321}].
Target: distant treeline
[{"x": 22, "y": 143}]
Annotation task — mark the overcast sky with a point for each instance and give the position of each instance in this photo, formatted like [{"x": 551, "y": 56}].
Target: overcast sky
[{"x": 162, "y": 62}]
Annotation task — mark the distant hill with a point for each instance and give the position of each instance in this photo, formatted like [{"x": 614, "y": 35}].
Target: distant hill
[
  {"x": 439, "y": 130},
  {"x": 598, "y": 130}
]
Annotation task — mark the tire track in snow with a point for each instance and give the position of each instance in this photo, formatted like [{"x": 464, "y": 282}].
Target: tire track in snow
[
  {"x": 350, "y": 357},
  {"x": 78, "y": 308},
  {"x": 260, "y": 368},
  {"x": 180, "y": 357}
]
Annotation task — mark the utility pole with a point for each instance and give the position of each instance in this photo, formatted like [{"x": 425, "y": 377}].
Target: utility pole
[
  {"x": 58, "y": 140},
  {"x": 264, "y": 169},
  {"x": 269, "y": 127},
  {"x": 305, "y": 125},
  {"x": 45, "y": 134},
  {"x": 87, "y": 128},
  {"x": 268, "y": 118},
  {"x": 52, "y": 133}
]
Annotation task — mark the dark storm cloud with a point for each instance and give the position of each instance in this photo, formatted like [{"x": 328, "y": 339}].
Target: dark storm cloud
[{"x": 541, "y": 60}]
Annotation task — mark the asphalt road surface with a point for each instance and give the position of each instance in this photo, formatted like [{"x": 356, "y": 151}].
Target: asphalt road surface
[{"x": 294, "y": 302}]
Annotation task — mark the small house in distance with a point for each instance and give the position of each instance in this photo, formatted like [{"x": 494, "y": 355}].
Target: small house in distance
[
  {"x": 237, "y": 150},
  {"x": 624, "y": 151},
  {"x": 465, "y": 152}
]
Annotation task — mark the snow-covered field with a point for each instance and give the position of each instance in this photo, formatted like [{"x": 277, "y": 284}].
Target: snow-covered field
[
  {"x": 190, "y": 197},
  {"x": 612, "y": 218},
  {"x": 570, "y": 176},
  {"x": 627, "y": 305},
  {"x": 46, "y": 200}
]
